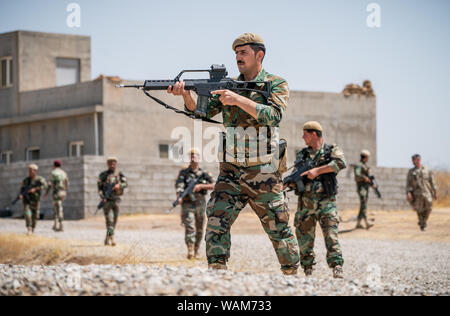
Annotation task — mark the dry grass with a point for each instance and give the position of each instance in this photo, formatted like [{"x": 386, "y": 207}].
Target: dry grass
[
  {"x": 442, "y": 179},
  {"x": 25, "y": 250}
]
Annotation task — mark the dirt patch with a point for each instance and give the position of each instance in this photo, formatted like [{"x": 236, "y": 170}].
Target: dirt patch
[{"x": 24, "y": 250}]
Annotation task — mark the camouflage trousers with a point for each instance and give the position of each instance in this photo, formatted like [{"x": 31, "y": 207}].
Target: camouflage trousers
[
  {"x": 193, "y": 217},
  {"x": 58, "y": 200},
  {"x": 111, "y": 210},
  {"x": 313, "y": 209},
  {"x": 423, "y": 206},
  {"x": 31, "y": 212},
  {"x": 363, "y": 193},
  {"x": 235, "y": 188}
]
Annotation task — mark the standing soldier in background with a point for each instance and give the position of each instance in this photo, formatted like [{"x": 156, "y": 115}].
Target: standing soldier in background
[
  {"x": 244, "y": 182},
  {"x": 193, "y": 212},
  {"x": 421, "y": 190},
  {"x": 59, "y": 183},
  {"x": 362, "y": 178},
  {"x": 31, "y": 199},
  {"x": 318, "y": 202},
  {"x": 111, "y": 177}
]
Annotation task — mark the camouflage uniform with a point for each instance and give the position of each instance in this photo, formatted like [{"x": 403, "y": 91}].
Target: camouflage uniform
[
  {"x": 314, "y": 205},
  {"x": 193, "y": 212},
  {"x": 59, "y": 183},
  {"x": 31, "y": 201},
  {"x": 420, "y": 184},
  {"x": 362, "y": 171},
  {"x": 239, "y": 184},
  {"x": 111, "y": 208}
]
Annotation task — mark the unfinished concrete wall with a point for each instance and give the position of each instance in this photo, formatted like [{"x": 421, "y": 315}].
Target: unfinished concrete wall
[
  {"x": 51, "y": 136},
  {"x": 38, "y": 53}
]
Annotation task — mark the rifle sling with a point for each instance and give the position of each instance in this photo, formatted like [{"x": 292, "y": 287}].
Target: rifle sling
[{"x": 190, "y": 115}]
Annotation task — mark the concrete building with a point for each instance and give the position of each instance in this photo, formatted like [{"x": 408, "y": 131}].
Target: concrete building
[{"x": 50, "y": 108}]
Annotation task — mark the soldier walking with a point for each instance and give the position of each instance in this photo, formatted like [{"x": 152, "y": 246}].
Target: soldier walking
[
  {"x": 363, "y": 184},
  {"x": 420, "y": 190},
  {"x": 241, "y": 181},
  {"x": 193, "y": 207},
  {"x": 58, "y": 182},
  {"x": 32, "y": 188},
  {"x": 318, "y": 202},
  {"x": 116, "y": 180}
]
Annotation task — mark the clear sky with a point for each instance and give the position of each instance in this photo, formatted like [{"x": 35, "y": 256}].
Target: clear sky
[{"x": 316, "y": 45}]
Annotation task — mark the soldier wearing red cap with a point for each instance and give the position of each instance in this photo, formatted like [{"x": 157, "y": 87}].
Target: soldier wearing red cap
[{"x": 59, "y": 184}]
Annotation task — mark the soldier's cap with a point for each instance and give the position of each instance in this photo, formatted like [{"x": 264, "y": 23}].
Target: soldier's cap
[
  {"x": 33, "y": 166},
  {"x": 312, "y": 125},
  {"x": 194, "y": 151},
  {"x": 247, "y": 39},
  {"x": 57, "y": 163},
  {"x": 110, "y": 159},
  {"x": 365, "y": 153}
]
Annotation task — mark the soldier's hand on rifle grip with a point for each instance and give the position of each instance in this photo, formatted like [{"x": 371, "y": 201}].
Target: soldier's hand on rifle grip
[
  {"x": 21, "y": 197},
  {"x": 311, "y": 174},
  {"x": 117, "y": 187},
  {"x": 367, "y": 180}
]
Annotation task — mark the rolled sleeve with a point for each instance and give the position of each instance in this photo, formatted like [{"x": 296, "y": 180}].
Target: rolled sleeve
[
  {"x": 272, "y": 113},
  {"x": 338, "y": 163}
]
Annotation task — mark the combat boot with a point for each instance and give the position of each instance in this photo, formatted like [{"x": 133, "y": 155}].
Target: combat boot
[
  {"x": 217, "y": 266},
  {"x": 191, "y": 252},
  {"x": 107, "y": 240},
  {"x": 338, "y": 273},
  {"x": 196, "y": 255},
  {"x": 308, "y": 271},
  {"x": 61, "y": 228},
  {"x": 111, "y": 240},
  {"x": 29, "y": 232},
  {"x": 290, "y": 271}
]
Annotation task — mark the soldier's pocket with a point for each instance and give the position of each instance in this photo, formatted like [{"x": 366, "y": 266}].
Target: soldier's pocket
[{"x": 280, "y": 211}]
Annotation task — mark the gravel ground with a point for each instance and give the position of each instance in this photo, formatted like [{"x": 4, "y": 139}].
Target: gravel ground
[{"x": 372, "y": 267}]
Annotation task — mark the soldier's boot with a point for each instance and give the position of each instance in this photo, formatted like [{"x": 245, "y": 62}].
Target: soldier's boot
[
  {"x": 191, "y": 252},
  {"x": 29, "y": 231},
  {"x": 290, "y": 271},
  {"x": 107, "y": 240},
  {"x": 358, "y": 225},
  {"x": 217, "y": 266},
  {"x": 61, "y": 228},
  {"x": 338, "y": 272},
  {"x": 308, "y": 271},
  {"x": 55, "y": 228},
  {"x": 368, "y": 226},
  {"x": 196, "y": 252},
  {"x": 111, "y": 239}
]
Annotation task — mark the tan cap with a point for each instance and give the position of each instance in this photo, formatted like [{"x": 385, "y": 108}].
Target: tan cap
[
  {"x": 112, "y": 159},
  {"x": 247, "y": 38},
  {"x": 194, "y": 151},
  {"x": 33, "y": 166},
  {"x": 365, "y": 153},
  {"x": 313, "y": 125}
]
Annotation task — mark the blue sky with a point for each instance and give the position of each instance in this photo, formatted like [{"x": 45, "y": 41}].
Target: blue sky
[{"x": 316, "y": 45}]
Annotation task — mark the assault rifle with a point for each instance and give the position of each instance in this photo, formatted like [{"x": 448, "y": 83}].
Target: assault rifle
[
  {"x": 24, "y": 192},
  {"x": 218, "y": 80},
  {"x": 374, "y": 185},
  {"x": 189, "y": 191},
  {"x": 109, "y": 195},
  {"x": 295, "y": 178}
]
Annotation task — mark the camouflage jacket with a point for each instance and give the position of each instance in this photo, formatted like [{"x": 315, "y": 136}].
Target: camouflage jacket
[
  {"x": 361, "y": 172},
  {"x": 186, "y": 174},
  {"x": 318, "y": 158},
  {"x": 58, "y": 181},
  {"x": 38, "y": 182},
  {"x": 109, "y": 176},
  {"x": 269, "y": 115},
  {"x": 420, "y": 183}
]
